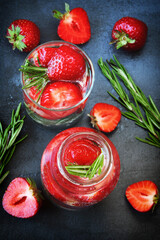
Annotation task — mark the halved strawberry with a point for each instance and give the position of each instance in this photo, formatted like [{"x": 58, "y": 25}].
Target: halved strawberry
[
  {"x": 143, "y": 195},
  {"x": 21, "y": 198},
  {"x": 74, "y": 26},
  {"x": 43, "y": 56},
  {"x": 82, "y": 152},
  {"x": 105, "y": 117},
  {"x": 60, "y": 95}
]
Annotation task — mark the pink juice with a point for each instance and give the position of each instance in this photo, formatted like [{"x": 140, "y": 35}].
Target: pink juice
[{"x": 71, "y": 191}]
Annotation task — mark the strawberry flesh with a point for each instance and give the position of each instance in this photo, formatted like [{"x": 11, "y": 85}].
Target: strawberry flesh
[
  {"x": 82, "y": 152},
  {"x": 105, "y": 117},
  {"x": 60, "y": 95},
  {"x": 142, "y": 195},
  {"x": 19, "y": 199}
]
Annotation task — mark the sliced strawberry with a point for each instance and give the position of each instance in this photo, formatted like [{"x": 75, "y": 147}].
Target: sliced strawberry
[
  {"x": 21, "y": 198},
  {"x": 82, "y": 152},
  {"x": 60, "y": 95},
  {"x": 66, "y": 64},
  {"x": 43, "y": 56},
  {"x": 105, "y": 117},
  {"x": 142, "y": 195},
  {"x": 74, "y": 26}
]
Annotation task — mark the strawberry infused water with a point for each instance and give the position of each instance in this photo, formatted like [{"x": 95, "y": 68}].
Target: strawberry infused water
[
  {"x": 79, "y": 168},
  {"x": 57, "y": 78}
]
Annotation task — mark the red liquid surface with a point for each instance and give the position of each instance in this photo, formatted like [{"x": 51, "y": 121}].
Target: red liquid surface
[{"x": 66, "y": 193}]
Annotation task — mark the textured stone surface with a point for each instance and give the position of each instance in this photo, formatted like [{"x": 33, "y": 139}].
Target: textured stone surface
[{"x": 113, "y": 218}]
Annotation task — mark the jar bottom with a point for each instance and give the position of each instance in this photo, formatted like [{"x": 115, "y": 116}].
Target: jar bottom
[
  {"x": 63, "y": 122},
  {"x": 62, "y": 205}
]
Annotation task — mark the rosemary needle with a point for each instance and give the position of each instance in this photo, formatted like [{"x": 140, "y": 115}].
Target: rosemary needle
[
  {"x": 34, "y": 76},
  {"x": 85, "y": 170}
]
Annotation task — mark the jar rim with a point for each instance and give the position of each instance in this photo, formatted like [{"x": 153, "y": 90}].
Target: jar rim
[{"x": 108, "y": 159}]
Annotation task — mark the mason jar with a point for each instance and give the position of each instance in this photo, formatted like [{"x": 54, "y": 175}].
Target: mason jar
[{"x": 71, "y": 191}]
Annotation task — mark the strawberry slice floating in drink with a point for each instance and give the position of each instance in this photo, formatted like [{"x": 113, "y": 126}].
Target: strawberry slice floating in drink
[{"x": 58, "y": 96}]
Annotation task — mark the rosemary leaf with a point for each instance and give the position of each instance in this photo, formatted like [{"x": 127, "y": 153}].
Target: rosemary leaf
[{"x": 4, "y": 176}]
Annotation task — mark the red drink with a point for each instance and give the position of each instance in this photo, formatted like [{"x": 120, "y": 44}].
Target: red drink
[{"x": 71, "y": 191}]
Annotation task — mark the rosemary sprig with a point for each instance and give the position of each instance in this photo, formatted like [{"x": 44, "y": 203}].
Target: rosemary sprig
[
  {"x": 151, "y": 120},
  {"x": 7, "y": 140},
  {"x": 34, "y": 76},
  {"x": 87, "y": 171}
]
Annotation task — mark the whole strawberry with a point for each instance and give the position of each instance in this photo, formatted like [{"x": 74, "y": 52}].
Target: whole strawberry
[
  {"x": 74, "y": 25},
  {"x": 129, "y": 33},
  {"x": 21, "y": 199},
  {"x": 23, "y": 35},
  {"x": 66, "y": 64}
]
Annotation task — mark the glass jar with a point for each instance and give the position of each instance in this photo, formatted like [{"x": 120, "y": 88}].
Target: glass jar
[
  {"x": 60, "y": 116},
  {"x": 76, "y": 192}
]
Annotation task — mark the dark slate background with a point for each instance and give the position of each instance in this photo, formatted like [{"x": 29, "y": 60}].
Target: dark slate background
[{"x": 113, "y": 218}]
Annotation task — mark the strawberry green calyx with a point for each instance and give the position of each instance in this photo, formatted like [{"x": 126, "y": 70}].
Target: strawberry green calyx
[
  {"x": 122, "y": 39},
  {"x": 60, "y": 15},
  {"x": 93, "y": 121},
  {"x": 15, "y": 38},
  {"x": 33, "y": 187},
  {"x": 155, "y": 200}
]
